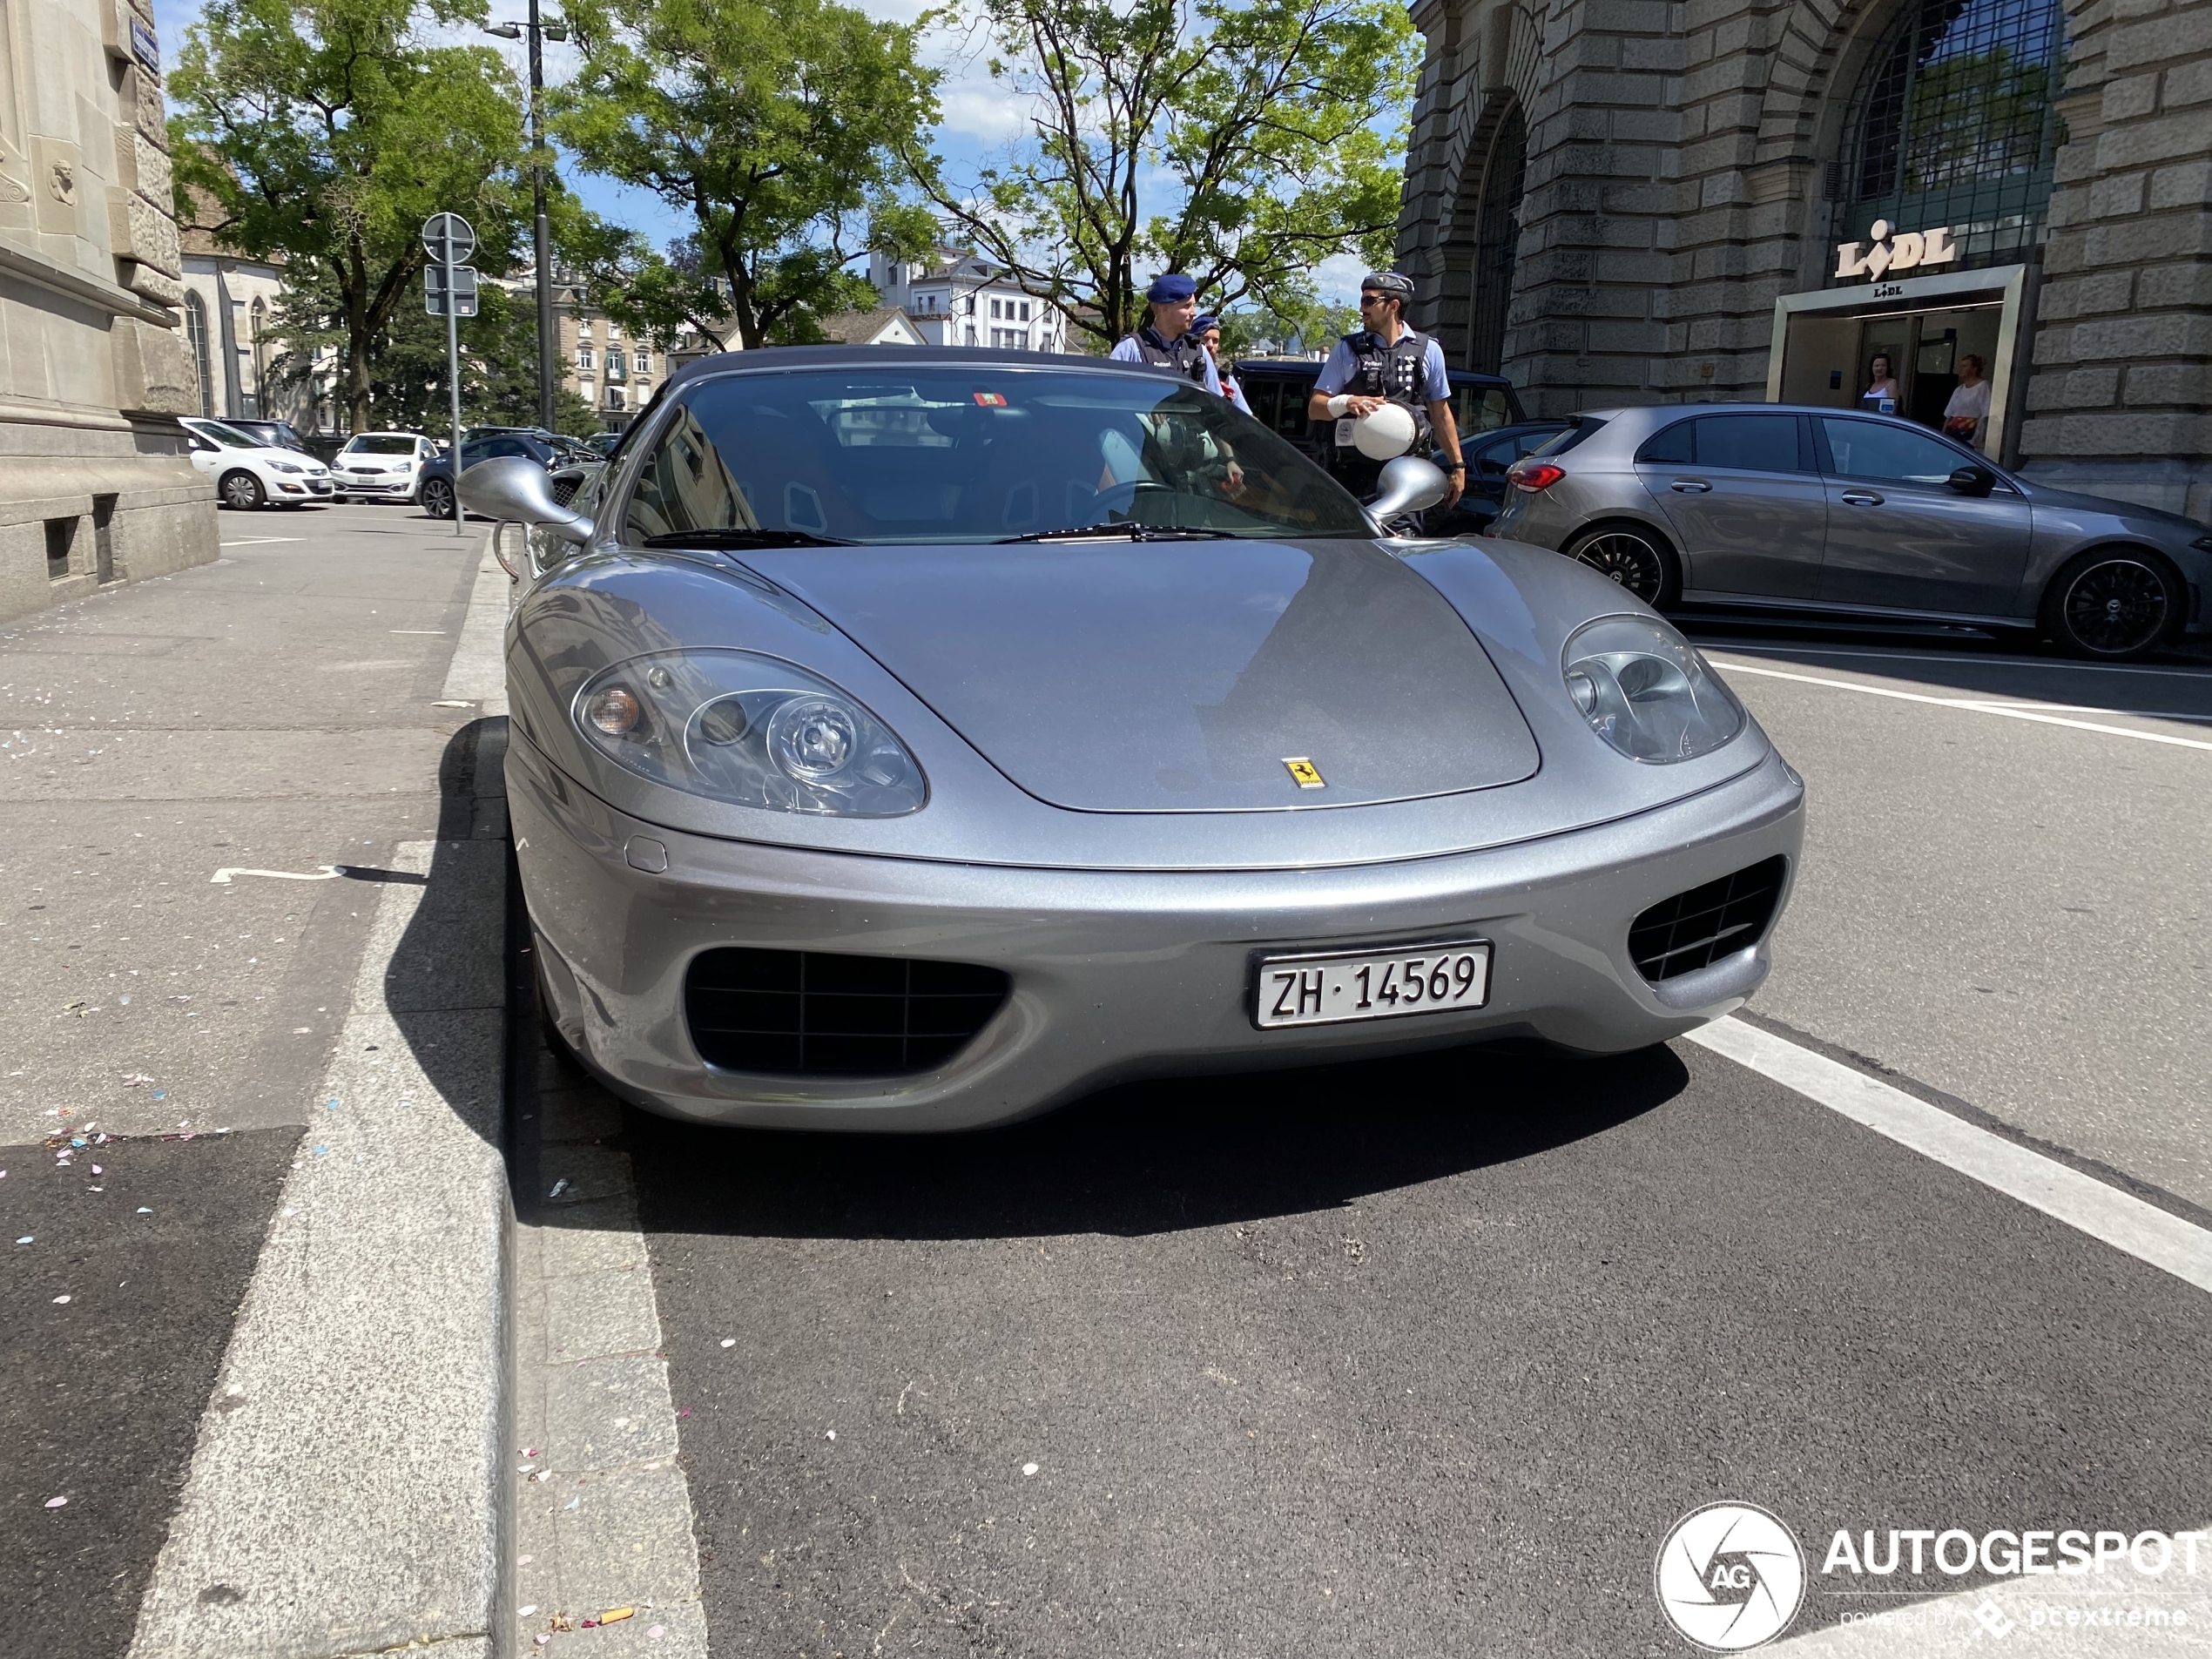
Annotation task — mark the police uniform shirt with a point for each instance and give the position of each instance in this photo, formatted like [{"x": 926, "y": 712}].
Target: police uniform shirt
[
  {"x": 1132, "y": 350},
  {"x": 1337, "y": 374},
  {"x": 1232, "y": 389}
]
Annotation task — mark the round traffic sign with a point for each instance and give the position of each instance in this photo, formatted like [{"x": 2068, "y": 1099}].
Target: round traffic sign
[{"x": 448, "y": 237}]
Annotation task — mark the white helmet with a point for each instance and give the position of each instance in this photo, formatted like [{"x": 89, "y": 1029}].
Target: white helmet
[{"x": 1386, "y": 432}]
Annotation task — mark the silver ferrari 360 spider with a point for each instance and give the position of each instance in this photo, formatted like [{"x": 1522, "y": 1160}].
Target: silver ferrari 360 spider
[{"x": 915, "y": 739}]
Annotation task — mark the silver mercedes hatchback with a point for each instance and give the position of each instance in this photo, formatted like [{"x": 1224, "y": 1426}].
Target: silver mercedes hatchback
[{"x": 1772, "y": 507}]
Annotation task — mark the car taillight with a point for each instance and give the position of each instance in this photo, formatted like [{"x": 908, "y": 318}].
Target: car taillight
[{"x": 1533, "y": 475}]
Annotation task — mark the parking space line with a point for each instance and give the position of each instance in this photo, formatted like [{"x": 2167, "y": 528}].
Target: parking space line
[
  {"x": 261, "y": 541},
  {"x": 1788, "y": 651},
  {"x": 1972, "y": 705},
  {"x": 2118, "y": 1218}
]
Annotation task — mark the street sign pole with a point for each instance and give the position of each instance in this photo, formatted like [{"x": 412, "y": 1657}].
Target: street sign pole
[
  {"x": 453, "y": 381},
  {"x": 548, "y": 342},
  {"x": 449, "y": 238}
]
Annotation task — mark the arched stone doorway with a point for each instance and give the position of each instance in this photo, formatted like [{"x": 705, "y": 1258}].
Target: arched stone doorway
[
  {"x": 1475, "y": 259},
  {"x": 1497, "y": 235}
]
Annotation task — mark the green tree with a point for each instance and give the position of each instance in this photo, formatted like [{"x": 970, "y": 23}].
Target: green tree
[
  {"x": 775, "y": 124},
  {"x": 1311, "y": 325},
  {"x": 408, "y": 367},
  {"x": 325, "y": 131},
  {"x": 1279, "y": 130}
]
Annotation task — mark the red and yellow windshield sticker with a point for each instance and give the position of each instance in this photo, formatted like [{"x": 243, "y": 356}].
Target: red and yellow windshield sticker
[
  {"x": 1305, "y": 773},
  {"x": 990, "y": 399}
]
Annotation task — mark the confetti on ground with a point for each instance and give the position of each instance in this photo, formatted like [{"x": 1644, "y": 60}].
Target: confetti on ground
[{"x": 56, "y": 1503}]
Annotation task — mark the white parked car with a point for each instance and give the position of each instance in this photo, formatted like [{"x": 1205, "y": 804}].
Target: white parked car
[
  {"x": 248, "y": 473},
  {"x": 381, "y": 466}
]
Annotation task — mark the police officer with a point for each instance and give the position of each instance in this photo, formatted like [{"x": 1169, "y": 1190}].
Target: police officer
[
  {"x": 1207, "y": 332},
  {"x": 1166, "y": 341},
  {"x": 1386, "y": 363}
]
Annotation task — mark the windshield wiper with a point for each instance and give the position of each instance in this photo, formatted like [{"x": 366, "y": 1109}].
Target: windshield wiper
[
  {"x": 1134, "y": 532},
  {"x": 725, "y": 538}
]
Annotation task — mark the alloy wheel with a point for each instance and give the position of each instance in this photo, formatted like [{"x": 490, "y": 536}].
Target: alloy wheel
[
  {"x": 1628, "y": 559},
  {"x": 437, "y": 498},
  {"x": 2116, "y": 608}
]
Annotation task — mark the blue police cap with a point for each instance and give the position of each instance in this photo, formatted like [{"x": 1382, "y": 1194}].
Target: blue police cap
[
  {"x": 1202, "y": 324},
  {"x": 1165, "y": 290}
]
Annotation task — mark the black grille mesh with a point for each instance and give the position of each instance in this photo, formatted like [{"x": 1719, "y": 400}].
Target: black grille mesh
[
  {"x": 808, "y": 1012},
  {"x": 1696, "y": 928}
]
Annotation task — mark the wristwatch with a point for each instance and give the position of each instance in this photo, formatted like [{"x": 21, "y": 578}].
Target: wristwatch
[{"x": 1453, "y": 466}]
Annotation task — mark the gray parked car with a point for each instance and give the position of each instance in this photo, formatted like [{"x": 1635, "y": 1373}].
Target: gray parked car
[
  {"x": 912, "y": 738},
  {"x": 1772, "y": 507}
]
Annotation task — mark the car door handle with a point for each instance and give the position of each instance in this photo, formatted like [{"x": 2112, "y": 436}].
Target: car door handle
[
  {"x": 1861, "y": 498},
  {"x": 1692, "y": 486}
]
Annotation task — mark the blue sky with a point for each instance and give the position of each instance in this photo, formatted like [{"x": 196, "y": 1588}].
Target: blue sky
[{"x": 981, "y": 119}]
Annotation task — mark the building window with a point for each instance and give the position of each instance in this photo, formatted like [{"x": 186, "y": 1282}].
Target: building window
[
  {"x": 583, "y": 358},
  {"x": 645, "y": 391},
  {"x": 196, "y": 337},
  {"x": 1025, "y": 311},
  {"x": 644, "y": 364},
  {"x": 258, "y": 321},
  {"x": 971, "y": 333},
  {"x": 614, "y": 331},
  {"x": 1956, "y": 127},
  {"x": 994, "y": 307},
  {"x": 614, "y": 397}
]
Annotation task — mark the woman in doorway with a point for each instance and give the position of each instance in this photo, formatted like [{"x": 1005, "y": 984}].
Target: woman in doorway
[
  {"x": 1967, "y": 413},
  {"x": 1881, "y": 386}
]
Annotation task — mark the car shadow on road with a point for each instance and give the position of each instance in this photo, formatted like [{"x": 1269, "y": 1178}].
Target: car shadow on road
[
  {"x": 445, "y": 982},
  {"x": 1152, "y": 1156}
]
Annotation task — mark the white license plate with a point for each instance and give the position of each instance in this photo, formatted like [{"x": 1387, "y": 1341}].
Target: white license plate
[{"x": 1372, "y": 984}]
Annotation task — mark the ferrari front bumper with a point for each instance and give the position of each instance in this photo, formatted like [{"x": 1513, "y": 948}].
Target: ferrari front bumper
[{"x": 1115, "y": 974}]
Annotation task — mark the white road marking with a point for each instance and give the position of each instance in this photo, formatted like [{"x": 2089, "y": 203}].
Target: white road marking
[
  {"x": 2118, "y": 1218},
  {"x": 415, "y": 631},
  {"x": 261, "y": 541},
  {"x": 325, "y": 872},
  {"x": 1972, "y": 705},
  {"x": 1787, "y": 652}
]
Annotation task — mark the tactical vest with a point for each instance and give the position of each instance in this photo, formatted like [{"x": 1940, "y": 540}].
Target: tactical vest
[
  {"x": 1397, "y": 372},
  {"x": 1186, "y": 356}
]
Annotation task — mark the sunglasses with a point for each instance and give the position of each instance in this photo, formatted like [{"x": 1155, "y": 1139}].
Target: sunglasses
[{"x": 1366, "y": 300}]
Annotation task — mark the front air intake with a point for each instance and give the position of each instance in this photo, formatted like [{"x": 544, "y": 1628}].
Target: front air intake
[
  {"x": 805, "y": 1012},
  {"x": 1696, "y": 928}
]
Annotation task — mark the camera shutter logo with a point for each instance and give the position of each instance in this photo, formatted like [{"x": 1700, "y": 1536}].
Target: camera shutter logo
[{"x": 1730, "y": 1576}]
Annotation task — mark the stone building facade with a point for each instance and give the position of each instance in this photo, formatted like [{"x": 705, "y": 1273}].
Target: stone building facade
[
  {"x": 94, "y": 484},
  {"x": 1625, "y": 201}
]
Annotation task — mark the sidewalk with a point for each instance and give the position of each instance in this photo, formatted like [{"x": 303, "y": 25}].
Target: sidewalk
[{"x": 298, "y": 1305}]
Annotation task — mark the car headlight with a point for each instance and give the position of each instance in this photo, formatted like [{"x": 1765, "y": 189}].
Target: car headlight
[
  {"x": 285, "y": 466},
  {"x": 751, "y": 730},
  {"x": 1646, "y": 692}
]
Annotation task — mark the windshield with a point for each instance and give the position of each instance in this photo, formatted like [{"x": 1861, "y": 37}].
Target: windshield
[
  {"x": 983, "y": 454},
  {"x": 229, "y": 437},
  {"x": 400, "y": 445}
]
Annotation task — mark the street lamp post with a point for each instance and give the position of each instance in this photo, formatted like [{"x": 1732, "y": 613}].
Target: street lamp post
[{"x": 548, "y": 341}]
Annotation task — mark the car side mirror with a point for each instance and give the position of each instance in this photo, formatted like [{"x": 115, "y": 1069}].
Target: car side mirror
[
  {"x": 1972, "y": 480},
  {"x": 519, "y": 491},
  {"x": 1410, "y": 484}
]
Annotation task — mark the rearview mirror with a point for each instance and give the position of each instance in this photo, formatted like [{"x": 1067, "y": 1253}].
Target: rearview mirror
[
  {"x": 1972, "y": 480},
  {"x": 1410, "y": 484},
  {"x": 520, "y": 492}
]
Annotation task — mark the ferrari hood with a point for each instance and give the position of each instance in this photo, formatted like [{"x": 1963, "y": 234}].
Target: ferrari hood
[{"x": 1118, "y": 676}]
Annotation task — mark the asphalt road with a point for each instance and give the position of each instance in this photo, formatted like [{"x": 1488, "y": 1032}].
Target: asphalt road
[{"x": 1427, "y": 1356}]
